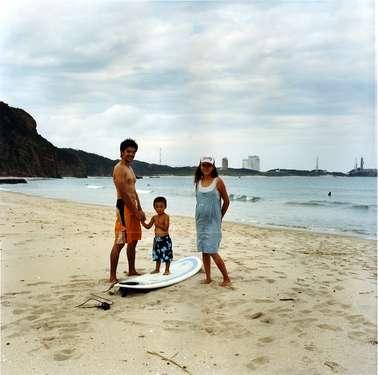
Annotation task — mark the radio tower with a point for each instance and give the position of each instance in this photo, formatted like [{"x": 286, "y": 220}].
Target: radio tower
[
  {"x": 317, "y": 163},
  {"x": 160, "y": 156}
]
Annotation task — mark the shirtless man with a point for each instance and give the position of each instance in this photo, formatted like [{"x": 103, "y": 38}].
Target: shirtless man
[{"x": 129, "y": 211}]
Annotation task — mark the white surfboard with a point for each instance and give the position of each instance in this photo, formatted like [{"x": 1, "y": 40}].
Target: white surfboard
[{"x": 180, "y": 270}]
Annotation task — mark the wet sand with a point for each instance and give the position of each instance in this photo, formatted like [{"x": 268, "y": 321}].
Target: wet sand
[{"x": 300, "y": 302}]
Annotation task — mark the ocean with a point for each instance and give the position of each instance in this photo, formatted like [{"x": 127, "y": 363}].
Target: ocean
[{"x": 293, "y": 202}]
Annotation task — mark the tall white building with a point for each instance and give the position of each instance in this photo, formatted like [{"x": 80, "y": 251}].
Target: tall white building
[
  {"x": 253, "y": 162},
  {"x": 224, "y": 163}
]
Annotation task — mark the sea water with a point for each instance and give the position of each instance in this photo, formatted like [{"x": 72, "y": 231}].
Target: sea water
[{"x": 294, "y": 202}]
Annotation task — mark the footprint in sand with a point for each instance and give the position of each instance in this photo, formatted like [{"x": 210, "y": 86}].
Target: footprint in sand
[
  {"x": 178, "y": 325},
  {"x": 267, "y": 320},
  {"x": 335, "y": 367},
  {"x": 259, "y": 361},
  {"x": 266, "y": 340},
  {"x": 329, "y": 327},
  {"x": 354, "y": 319},
  {"x": 63, "y": 355},
  {"x": 39, "y": 283},
  {"x": 254, "y": 316},
  {"x": 19, "y": 311},
  {"x": 15, "y": 293},
  {"x": 305, "y": 311},
  {"x": 357, "y": 335},
  {"x": 310, "y": 347}
]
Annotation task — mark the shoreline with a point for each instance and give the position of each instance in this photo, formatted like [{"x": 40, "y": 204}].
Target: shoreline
[
  {"x": 260, "y": 174},
  {"x": 300, "y": 302},
  {"x": 253, "y": 225}
]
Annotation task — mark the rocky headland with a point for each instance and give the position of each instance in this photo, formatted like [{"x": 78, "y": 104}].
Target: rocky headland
[{"x": 25, "y": 153}]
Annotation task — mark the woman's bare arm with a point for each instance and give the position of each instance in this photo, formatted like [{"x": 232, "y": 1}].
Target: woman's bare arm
[{"x": 224, "y": 195}]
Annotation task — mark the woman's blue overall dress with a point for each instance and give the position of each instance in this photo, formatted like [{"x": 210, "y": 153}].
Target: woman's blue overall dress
[{"x": 208, "y": 218}]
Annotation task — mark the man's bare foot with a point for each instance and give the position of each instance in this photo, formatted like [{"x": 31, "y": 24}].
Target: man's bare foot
[
  {"x": 133, "y": 274},
  {"x": 225, "y": 283},
  {"x": 206, "y": 281},
  {"x": 166, "y": 273},
  {"x": 113, "y": 280},
  {"x": 155, "y": 271}
]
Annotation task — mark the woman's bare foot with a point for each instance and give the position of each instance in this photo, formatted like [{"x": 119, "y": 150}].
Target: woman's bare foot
[
  {"x": 225, "y": 282},
  {"x": 155, "y": 271},
  {"x": 206, "y": 281},
  {"x": 113, "y": 280},
  {"x": 166, "y": 273}
]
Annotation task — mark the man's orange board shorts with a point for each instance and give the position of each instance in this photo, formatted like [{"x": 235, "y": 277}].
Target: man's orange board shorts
[{"x": 127, "y": 227}]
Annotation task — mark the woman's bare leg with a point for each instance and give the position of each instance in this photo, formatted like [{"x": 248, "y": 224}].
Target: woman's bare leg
[
  {"x": 222, "y": 267},
  {"x": 206, "y": 265}
]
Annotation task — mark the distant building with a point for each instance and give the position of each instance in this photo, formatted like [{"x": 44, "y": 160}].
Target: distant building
[
  {"x": 362, "y": 171},
  {"x": 253, "y": 162},
  {"x": 224, "y": 163}
]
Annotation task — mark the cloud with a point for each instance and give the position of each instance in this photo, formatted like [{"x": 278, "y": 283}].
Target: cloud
[{"x": 190, "y": 76}]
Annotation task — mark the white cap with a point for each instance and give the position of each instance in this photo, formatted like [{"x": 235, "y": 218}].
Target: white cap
[{"x": 207, "y": 159}]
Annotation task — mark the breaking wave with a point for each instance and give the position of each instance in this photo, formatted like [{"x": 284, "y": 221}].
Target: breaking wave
[
  {"x": 243, "y": 198},
  {"x": 330, "y": 204}
]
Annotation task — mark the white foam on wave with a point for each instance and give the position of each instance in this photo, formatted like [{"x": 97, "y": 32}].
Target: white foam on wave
[
  {"x": 144, "y": 191},
  {"x": 95, "y": 187},
  {"x": 3, "y": 189}
]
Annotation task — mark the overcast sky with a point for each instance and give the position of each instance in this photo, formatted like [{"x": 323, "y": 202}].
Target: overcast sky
[{"x": 288, "y": 80}]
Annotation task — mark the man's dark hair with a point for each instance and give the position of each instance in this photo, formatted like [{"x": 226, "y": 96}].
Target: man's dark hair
[
  {"x": 128, "y": 143},
  {"x": 160, "y": 199}
]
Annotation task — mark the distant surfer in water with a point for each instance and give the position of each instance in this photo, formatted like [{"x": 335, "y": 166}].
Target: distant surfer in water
[
  {"x": 162, "y": 246},
  {"x": 129, "y": 213},
  {"x": 212, "y": 204}
]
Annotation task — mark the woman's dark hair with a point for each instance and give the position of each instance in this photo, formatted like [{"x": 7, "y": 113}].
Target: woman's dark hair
[
  {"x": 128, "y": 143},
  {"x": 160, "y": 199},
  {"x": 198, "y": 174}
]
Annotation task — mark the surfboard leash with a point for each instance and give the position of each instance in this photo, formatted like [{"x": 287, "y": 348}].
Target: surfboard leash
[{"x": 103, "y": 305}]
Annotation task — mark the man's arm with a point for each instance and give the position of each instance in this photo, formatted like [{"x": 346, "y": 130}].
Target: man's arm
[
  {"x": 138, "y": 202},
  {"x": 143, "y": 218}
]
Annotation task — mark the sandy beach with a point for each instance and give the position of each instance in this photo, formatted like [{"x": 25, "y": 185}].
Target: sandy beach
[{"x": 300, "y": 302}]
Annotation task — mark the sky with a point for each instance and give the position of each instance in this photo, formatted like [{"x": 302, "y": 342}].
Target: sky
[{"x": 287, "y": 80}]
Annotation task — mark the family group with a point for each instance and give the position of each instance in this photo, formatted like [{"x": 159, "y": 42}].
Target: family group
[{"x": 212, "y": 202}]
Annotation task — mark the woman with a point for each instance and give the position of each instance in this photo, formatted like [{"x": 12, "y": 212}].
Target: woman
[{"x": 212, "y": 204}]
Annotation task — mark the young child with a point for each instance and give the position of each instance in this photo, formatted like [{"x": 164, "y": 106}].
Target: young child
[{"x": 162, "y": 246}]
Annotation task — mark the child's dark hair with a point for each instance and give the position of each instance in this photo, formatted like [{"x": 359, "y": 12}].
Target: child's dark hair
[
  {"x": 160, "y": 199},
  {"x": 198, "y": 174},
  {"x": 128, "y": 143}
]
